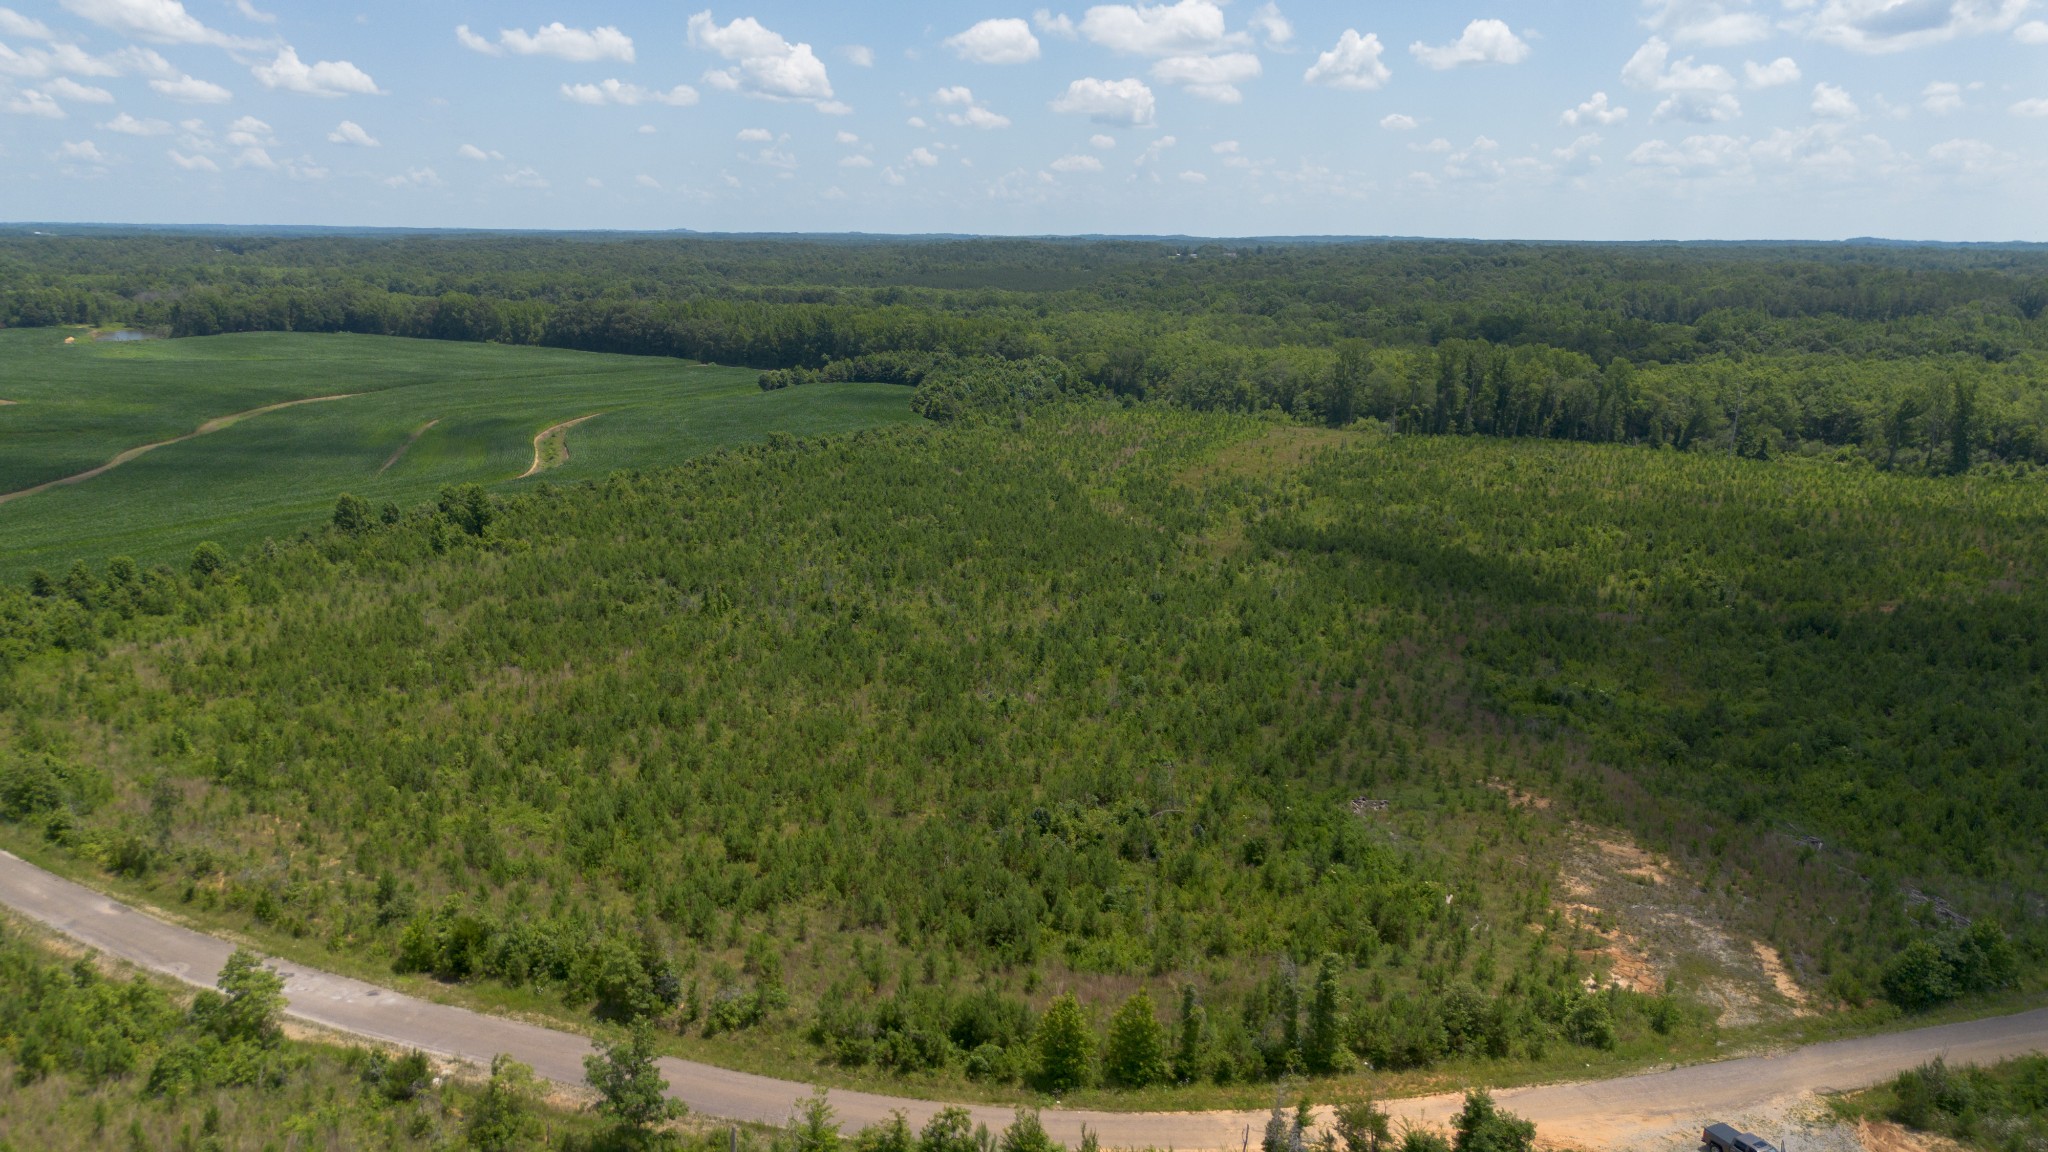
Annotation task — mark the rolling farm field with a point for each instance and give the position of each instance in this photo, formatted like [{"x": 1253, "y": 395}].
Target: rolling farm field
[{"x": 387, "y": 419}]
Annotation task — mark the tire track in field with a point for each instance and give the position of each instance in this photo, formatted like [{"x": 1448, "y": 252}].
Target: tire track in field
[
  {"x": 206, "y": 429},
  {"x": 407, "y": 446},
  {"x": 559, "y": 432}
]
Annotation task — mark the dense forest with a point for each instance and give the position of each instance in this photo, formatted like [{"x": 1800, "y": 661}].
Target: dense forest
[
  {"x": 1923, "y": 360},
  {"x": 1031, "y": 750}
]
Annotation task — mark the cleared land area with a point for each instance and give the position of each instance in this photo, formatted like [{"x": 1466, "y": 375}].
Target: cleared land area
[{"x": 228, "y": 461}]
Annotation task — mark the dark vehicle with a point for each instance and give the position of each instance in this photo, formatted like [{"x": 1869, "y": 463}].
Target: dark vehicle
[{"x": 1722, "y": 1138}]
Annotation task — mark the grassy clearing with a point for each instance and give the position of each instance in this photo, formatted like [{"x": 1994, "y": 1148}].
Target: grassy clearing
[{"x": 76, "y": 407}]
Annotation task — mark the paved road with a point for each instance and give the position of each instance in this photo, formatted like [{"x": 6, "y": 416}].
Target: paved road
[{"x": 1655, "y": 1110}]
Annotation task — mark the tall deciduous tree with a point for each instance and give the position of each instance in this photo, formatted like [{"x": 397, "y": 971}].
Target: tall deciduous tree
[{"x": 631, "y": 1092}]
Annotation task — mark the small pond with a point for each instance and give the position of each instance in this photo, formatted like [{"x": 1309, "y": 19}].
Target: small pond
[{"x": 123, "y": 335}]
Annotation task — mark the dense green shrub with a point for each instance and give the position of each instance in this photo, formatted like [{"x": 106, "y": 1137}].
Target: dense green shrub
[
  {"x": 2003, "y": 1108},
  {"x": 1960, "y": 962}
]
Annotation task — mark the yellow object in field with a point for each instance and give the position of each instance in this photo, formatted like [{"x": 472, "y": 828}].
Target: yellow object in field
[{"x": 71, "y": 339}]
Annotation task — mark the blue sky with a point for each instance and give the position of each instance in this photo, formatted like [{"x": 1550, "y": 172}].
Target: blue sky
[{"x": 1608, "y": 119}]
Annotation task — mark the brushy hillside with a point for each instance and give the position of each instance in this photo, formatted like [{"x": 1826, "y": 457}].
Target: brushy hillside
[{"x": 875, "y": 744}]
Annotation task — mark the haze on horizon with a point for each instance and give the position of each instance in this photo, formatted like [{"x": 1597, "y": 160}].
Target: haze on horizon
[{"x": 1681, "y": 119}]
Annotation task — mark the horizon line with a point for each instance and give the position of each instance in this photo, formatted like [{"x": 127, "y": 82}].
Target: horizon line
[{"x": 33, "y": 227}]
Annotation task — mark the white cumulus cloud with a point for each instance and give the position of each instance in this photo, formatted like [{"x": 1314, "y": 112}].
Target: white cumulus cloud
[
  {"x": 859, "y": 55},
  {"x": 629, "y": 95},
  {"x": 192, "y": 90},
  {"x": 764, "y": 64},
  {"x": 1060, "y": 25},
  {"x": 192, "y": 163},
  {"x": 476, "y": 43},
  {"x": 1354, "y": 65},
  {"x": 1126, "y": 102},
  {"x": 1399, "y": 122},
  {"x": 1007, "y": 41},
  {"x": 1210, "y": 77},
  {"x": 1271, "y": 27},
  {"x": 1879, "y": 26},
  {"x": 1784, "y": 70},
  {"x": 566, "y": 43},
  {"x": 2038, "y": 106},
  {"x": 754, "y": 136},
  {"x": 1483, "y": 42},
  {"x": 350, "y": 132},
  {"x": 1595, "y": 111},
  {"x": 13, "y": 23},
  {"x": 65, "y": 88},
  {"x": 1186, "y": 28},
  {"x": 161, "y": 21},
  {"x": 1709, "y": 23},
  {"x": 1834, "y": 103},
  {"x": 472, "y": 152},
  {"x": 1702, "y": 93},
  {"x": 971, "y": 114},
  {"x": 1693, "y": 155},
  {"x": 128, "y": 125},
  {"x": 1971, "y": 158},
  {"x": 1076, "y": 163},
  {"x": 414, "y": 178},
  {"x": 249, "y": 132},
  {"x": 29, "y": 102},
  {"x": 1942, "y": 98},
  {"x": 327, "y": 78},
  {"x": 2032, "y": 32}
]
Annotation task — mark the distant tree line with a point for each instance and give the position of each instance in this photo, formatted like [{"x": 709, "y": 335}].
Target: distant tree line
[{"x": 1929, "y": 361}]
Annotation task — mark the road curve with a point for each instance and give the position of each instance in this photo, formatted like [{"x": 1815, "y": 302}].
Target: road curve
[{"x": 1654, "y": 1110}]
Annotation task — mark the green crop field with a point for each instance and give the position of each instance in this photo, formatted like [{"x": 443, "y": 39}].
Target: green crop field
[{"x": 75, "y": 407}]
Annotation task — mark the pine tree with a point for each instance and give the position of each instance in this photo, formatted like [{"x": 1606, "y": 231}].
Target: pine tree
[
  {"x": 1321, "y": 1046},
  {"x": 813, "y": 1128},
  {"x": 1066, "y": 1046},
  {"x": 1962, "y": 429},
  {"x": 1137, "y": 1045},
  {"x": 1192, "y": 1038}
]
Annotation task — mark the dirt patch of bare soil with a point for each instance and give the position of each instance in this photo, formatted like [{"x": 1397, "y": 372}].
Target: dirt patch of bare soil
[
  {"x": 551, "y": 447},
  {"x": 1655, "y": 930},
  {"x": 1519, "y": 798},
  {"x": 1884, "y": 1136},
  {"x": 1781, "y": 979}
]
